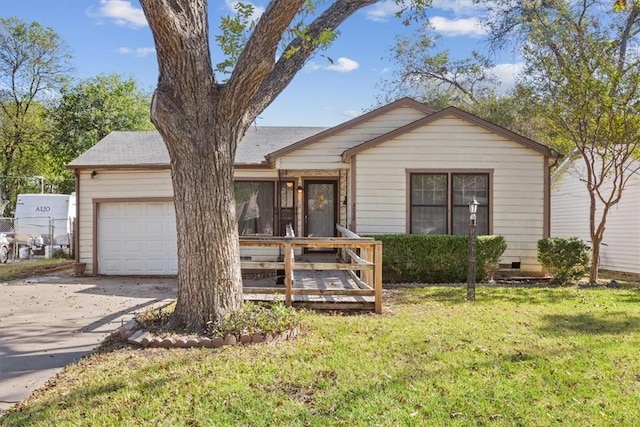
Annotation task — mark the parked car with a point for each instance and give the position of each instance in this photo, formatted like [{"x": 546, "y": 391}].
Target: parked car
[{"x": 6, "y": 246}]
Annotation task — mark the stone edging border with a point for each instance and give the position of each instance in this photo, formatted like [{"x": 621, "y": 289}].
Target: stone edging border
[{"x": 129, "y": 332}]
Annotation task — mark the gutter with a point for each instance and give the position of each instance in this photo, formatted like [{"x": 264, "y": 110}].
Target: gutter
[{"x": 76, "y": 223}]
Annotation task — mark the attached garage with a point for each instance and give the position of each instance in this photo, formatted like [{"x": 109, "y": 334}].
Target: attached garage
[{"x": 136, "y": 238}]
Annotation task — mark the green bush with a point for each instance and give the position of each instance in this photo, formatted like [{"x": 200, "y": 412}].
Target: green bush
[
  {"x": 265, "y": 318},
  {"x": 430, "y": 258},
  {"x": 565, "y": 257},
  {"x": 489, "y": 251},
  {"x": 256, "y": 318}
]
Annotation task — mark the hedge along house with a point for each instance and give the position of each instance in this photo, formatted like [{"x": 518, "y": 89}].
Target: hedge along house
[{"x": 402, "y": 168}]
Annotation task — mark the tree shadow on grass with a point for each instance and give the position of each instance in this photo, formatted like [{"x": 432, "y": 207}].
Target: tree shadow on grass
[
  {"x": 28, "y": 413},
  {"x": 418, "y": 295},
  {"x": 484, "y": 294},
  {"x": 522, "y": 295},
  {"x": 610, "y": 323}
]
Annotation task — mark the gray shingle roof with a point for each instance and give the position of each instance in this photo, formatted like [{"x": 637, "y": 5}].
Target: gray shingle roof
[{"x": 122, "y": 148}]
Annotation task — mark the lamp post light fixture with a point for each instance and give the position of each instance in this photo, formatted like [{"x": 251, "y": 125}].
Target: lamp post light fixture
[{"x": 471, "y": 271}]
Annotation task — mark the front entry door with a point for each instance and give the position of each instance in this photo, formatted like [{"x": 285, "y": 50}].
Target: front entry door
[{"x": 320, "y": 208}]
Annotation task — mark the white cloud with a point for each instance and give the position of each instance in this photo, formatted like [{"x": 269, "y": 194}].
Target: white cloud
[
  {"x": 352, "y": 114},
  {"x": 382, "y": 11},
  {"x": 458, "y": 27},
  {"x": 140, "y": 52},
  {"x": 312, "y": 66},
  {"x": 122, "y": 13},
  {"x": 507, "y": 73},
  {"x": 257, "y": 10},
  {"x": 459, "y": 7},
  {"x": 343, "y": 65}
]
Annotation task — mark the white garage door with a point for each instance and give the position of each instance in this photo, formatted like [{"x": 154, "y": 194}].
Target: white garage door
[{"x": 137, "y": 238}]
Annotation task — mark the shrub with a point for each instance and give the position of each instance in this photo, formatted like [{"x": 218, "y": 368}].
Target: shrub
[
  {"x": 61, "y": 254},
  {"x": 429, "y": 258},
  {"x": 489, "y": 252},
  {"x": 256, "y": 318},
  {"x": 565, "y": 257},
  {"x": 266, "y": 318}
]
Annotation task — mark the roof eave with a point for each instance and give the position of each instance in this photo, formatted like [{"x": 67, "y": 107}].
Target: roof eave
[
  {"x": 403, "y": 102},
  {"x": 116, "y": 166},
  {"x": 463, "y": 115},
  {"x": 261, "y": 165}
]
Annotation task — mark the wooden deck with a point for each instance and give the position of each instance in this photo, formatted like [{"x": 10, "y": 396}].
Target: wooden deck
[
  {"x": 349, "y": 279},
  {"x": 323, "y": 289}
]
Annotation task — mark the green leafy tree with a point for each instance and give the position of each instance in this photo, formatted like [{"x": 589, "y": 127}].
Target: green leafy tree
[
  {"x": 433, "y": 76},
  {"x": 88, "y": 111},
  {"x": 620, "y": 5},
  {"x": 426, "y": 72},
  {"x": 202, "y": 119},
  {"x": 583, "y": 71},
  {"x": 34, "y": 63}
]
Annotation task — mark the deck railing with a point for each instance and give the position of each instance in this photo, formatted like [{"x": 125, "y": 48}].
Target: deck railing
[{"x": 360, "y": 254}]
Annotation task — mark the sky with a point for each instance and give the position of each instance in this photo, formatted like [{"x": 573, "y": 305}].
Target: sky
[{"x": 112, "y": 36}]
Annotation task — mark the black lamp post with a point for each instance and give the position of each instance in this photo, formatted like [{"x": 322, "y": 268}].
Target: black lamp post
[{"x": 471, "y": 271}]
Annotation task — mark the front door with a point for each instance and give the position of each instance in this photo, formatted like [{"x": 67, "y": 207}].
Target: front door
[{"x": 320, "y": 208}]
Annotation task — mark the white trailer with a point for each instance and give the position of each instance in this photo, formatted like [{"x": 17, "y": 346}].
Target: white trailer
[{"x": 42, "y": 220}]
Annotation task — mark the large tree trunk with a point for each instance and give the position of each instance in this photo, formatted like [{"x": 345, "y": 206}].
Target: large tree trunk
[
  {"x": 201, "y": 131},
  {"x": 209, "y": 259},
  {"x": 201, "y": 123},
  {"x": 202, "y": 142}
]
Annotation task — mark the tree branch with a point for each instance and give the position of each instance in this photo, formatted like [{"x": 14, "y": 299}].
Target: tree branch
[
  {"x": 258, "y": 56},
  {"x": 287, "y": 66},
  {"x": 181, "y": 26},
  {"x": 626, "y": 35}
]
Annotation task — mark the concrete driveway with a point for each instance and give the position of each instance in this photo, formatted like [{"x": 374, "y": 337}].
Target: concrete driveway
[{"x": 49, "y": 322}]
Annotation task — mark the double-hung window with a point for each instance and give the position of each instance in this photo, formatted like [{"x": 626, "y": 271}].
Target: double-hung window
[{"x": 439, "y": 202}]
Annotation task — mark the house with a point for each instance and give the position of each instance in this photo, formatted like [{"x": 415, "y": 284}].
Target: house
[
  {"x": 402, "y": 168},
  {"x": 620, "y": 249}
]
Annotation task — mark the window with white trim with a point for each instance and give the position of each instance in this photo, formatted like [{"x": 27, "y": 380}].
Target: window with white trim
[{"x": 439, "y": 202}]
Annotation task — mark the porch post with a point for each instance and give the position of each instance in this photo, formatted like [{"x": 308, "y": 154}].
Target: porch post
[
  {"x": 377, "y": 276},
  {"x": 288, "y": 276}
]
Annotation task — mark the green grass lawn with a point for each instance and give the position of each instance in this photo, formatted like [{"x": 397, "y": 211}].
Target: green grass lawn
[{"x": 516, "y": 356}]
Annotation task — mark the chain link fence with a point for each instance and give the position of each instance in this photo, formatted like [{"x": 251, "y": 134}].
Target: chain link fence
[{"x": 6, "y": 225}]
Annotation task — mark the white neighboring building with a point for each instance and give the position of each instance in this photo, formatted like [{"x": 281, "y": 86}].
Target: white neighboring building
[{"x": 620, "y": 250}]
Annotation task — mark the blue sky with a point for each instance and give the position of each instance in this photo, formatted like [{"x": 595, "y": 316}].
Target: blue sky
[{"x": 112, "y": 36}]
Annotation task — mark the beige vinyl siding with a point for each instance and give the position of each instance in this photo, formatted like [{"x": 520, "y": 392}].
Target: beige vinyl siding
[
  {"x": 255, "y": 174},
  {"x": 144, "y": 184},
  {"x": 327, "y": 153},
  {"x": 620, "y": 250},
  {"x": 451, "y": 144},
  {"x": 122, "y": 184}
]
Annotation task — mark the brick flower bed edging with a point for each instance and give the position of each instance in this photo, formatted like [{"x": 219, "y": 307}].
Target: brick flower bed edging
[{"x": 133, "y": 335}]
